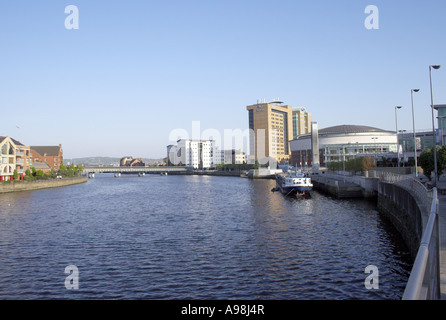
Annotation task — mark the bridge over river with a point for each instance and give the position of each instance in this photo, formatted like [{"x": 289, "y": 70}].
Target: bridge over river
[{"x": 135, "y": 170}]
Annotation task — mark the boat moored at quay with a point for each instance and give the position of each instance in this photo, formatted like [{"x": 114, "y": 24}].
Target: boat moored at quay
[{"x": 293, "y": 182}]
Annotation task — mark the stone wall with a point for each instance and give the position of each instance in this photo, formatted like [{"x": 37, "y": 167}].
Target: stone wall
[
  {"x": 40, "y": 184},
  {"x": 402, "y": 209},
  {"x": 408, "y": 214}
]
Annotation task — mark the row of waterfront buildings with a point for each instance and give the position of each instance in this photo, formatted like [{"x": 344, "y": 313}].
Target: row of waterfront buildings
[
  {"x": 16, "y": 157},
  {"x": 270, "y": 126},
  {"x": 199, "y": 154},
  {"x": 281, "y": 134}
]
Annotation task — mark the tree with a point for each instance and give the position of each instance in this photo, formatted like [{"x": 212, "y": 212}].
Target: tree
[
  {"x": 16, "y": 174},
  {"x": 426, "y": 161},
  {"x": 52, "y": 174},
  {"x": 368, "y": 163},
  {"x": 62, "y": 170},
  {"x": 79, "y": 169},
  {"x": 354, "y": 165},
  {"x": 441, "y": 159},
  {"x": 335, "y": 165}
]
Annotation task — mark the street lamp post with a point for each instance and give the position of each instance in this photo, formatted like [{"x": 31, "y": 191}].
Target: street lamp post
[
  {"x": 414, "y": 135},
  {"x": 436, "y": 67},
  {"x": 397, "y": 142}
]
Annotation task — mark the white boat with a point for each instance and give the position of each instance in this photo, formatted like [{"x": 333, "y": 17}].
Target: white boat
[{"x": 293, "y": 182}]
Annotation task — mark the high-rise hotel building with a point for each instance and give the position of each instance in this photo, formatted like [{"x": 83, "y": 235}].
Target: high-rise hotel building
[
  {"x": 271, "y": 129},
  {"x": 301, "y": 122}
]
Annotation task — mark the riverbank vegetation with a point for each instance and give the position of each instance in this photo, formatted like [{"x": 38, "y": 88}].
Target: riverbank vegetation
[
  {"x": 32, "y": 174},
  {"x": 426, "y": 161},
  {"x": 64, "y": 171},
  {"x": 361, "y": 164}
]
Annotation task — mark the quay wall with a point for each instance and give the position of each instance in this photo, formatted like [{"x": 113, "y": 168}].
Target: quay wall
[
  {"x": 396, "y": 203},
  {"x": 337, "y": 187},
  {"x": 40, "y": 184},
  {"x": 400, "y": 207},
  {"x": 346, "y": 186}
]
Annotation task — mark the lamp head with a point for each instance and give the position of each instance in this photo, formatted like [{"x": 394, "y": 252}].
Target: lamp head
[
  {"x": 436, "y": 67},
  {"x": 415, "y": 90},
  {"x": 398, "y": 107}
]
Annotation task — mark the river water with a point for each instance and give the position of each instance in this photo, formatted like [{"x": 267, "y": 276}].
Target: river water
[{"x": 194, "y": 237}]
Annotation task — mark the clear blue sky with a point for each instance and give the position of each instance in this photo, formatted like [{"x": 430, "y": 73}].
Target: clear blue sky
[{"x": 136, "y": 70}]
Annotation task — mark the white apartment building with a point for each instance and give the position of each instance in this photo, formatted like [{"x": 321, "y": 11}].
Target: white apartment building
[
  {"x": 233, "y": 156},
  {"x": 197, "y": 154},
  {"x": 14, "y": 156}
]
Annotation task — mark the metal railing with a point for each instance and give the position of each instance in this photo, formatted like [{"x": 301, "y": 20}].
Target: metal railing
[
  {"x": 424, "y": 280},
  {"x": 421, "y": 193}
]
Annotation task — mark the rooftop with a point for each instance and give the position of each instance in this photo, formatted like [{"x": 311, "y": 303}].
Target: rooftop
[
  {"x": 48, "y": 150},
  {"x": 17, "y": 143},
  {"x": 346, "y": 128}
]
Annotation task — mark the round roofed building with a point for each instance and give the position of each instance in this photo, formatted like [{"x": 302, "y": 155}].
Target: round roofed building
[{"x": 344, "y": 142}]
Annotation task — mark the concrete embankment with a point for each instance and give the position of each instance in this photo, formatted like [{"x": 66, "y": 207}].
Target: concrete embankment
[
  {"x": 342, "y": 188},
  {"x": 263, "y": 173},
  {"x": 40, "y": 184},
  {"x": 397, "y": 203},
  {"x": 408, "y": 215}
]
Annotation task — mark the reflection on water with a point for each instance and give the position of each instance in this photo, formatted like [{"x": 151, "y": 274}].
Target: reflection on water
[{"x": 194, "y": 237}]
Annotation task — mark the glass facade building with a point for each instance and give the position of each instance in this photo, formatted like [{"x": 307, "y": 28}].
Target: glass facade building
[{"x": 343, "y": 143}]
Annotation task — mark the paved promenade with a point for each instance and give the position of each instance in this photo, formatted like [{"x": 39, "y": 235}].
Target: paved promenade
[{"x": 441, "y": 186}]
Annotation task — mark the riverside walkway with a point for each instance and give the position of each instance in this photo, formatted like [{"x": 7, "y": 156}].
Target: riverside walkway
[
  {"x": 441, "y": 186},
  {"x": 441, "y": 213}
]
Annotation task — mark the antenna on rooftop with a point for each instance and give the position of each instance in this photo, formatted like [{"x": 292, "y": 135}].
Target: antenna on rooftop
[{"x": 276, "y": 101}]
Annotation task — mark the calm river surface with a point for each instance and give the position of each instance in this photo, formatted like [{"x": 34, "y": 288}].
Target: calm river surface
[{"x": 194, "y": 237}]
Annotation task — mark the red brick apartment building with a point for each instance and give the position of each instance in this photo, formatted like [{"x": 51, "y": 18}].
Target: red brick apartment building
[{"x": 52, "y": 155}]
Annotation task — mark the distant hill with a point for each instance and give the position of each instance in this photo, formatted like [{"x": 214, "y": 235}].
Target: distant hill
[{"x": 106, "y": 161}]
